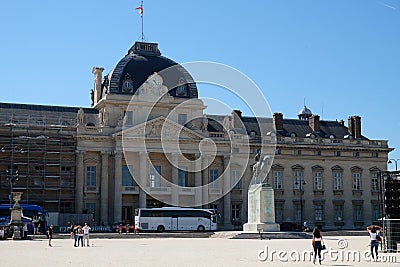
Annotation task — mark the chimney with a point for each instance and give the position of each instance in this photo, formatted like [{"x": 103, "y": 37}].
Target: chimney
[
  {"x": 98, "y": 73},
  {"x": 313, "y": 121},
  {"x": 278, "y": 121},
  {"x": 237, "y": 119},
  {"x": 355, "y": 126}
]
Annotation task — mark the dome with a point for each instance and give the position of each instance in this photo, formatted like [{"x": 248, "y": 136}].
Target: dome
[
  {"x": 143, "y": 60},
  {"x": 304, "y": 113}
]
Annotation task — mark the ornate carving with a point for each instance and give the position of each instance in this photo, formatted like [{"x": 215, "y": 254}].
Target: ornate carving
[{"x": 153, "y": 87}]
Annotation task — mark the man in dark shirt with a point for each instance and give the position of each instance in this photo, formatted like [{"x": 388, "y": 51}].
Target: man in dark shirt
[{"x": 50, "y": 234}]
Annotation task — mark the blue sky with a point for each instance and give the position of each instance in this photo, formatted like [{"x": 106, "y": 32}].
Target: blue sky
[{"x": 342, "y": 56}]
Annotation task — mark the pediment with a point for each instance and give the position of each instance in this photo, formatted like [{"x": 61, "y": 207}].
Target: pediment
[{"x": 160, "y": 128}]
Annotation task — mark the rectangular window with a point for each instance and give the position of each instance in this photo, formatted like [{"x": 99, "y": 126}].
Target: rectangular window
[
  {"x": 336, "y": 153},
  {"x": 90, "y": 208},
  {"x": 235, "y": 179},
  {"x": 155, "y": 180},
  {"x": 213, "y": 178},
  {"x": 356, "y": 181},
  {"x": 339, "y": 213},
  {"x": 297, "y": 152},
  {"x": 318, "y": 181},
  {"x": 182, "y": 118},
  {"x": 277, "y": 151},
  {"x": 183, "y": 176},
  {"x": 357, "y": 212},
  {"x": 127, "y": 179},
  {"x": 128, "y": 118},
  {"x": 279, "y": 212},
  {"x": 317, "y": 153},
  {"x": 319, "y": 212},
  {"x": 337, "y": 181},
  {"x": 375, "y": 212},
  {"x": 374, "y": 181},
  {"x": 297, "y": 212},
  {"x": 90, "y": 175},
  {"x": 374, "y": 154},
  {"x": 278, "y": 180},
  {"x": 236, "y": 212},
  {"x": 356, "y": 154},
  {"x": 298, "y": 179}
]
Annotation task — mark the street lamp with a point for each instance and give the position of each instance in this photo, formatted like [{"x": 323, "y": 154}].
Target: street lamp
[
  {"x": 301, "y": 183},
  {"x": 390, "y": 161}
]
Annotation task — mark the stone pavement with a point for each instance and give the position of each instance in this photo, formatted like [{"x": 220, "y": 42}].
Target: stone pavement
[{"x": 188, "y": 252}]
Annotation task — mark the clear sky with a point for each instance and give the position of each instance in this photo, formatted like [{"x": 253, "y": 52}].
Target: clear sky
[{"x": 342, "y": 56}]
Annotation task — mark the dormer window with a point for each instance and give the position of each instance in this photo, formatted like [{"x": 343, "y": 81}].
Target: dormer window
[{"x": 253, "y": 133}]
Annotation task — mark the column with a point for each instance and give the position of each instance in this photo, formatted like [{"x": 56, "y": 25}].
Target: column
[
  {"x": 80, "y": 177},
  {"x": 117, "y": 186},
  {"x": 206, "y": 177},
  {"x": 104, "y": 188},
  {"x": 143, "y": 179},
  {"x": 227, "y": 191},
  {"x": 198, "y": 197},
  {"x": 174, "y": 178}
]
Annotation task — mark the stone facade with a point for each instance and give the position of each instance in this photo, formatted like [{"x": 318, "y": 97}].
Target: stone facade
[{"x": 126, "y": 156}]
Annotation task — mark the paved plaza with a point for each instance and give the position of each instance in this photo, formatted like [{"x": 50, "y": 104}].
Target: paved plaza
[{"x": 341, "y": 251}]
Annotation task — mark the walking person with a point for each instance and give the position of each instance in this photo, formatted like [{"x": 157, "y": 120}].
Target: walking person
[
  {"x": 75, "y": 234},
  {"x": 50, "y": 234},
  {"x": 25, "y": 231},
  {"x": 374, "y": 231},
  {"x": 86, "y": 229},
  {"x": 317, "y": 242},
  {"x": 80, "y": 235}
]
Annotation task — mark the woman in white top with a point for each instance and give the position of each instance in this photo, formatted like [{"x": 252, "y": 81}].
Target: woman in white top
[
  {"x": 317, "y": 244},
  {"x": 373, "y": 231}
]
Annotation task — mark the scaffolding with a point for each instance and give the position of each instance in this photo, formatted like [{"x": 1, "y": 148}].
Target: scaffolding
[
  {"x": 389, "y": 189},
  {"x": 38, "y": 158}
]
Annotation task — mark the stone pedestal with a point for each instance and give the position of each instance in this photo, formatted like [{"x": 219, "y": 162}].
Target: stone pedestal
[
  {"x": 16, "y": 214},
  {"x": 261, "y": 210}
]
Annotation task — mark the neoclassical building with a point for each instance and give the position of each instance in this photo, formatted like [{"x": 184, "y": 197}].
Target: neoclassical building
[{"x": 146, "y": 142}]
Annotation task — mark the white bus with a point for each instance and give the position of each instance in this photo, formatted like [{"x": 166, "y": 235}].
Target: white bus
[{"x": 175, "y": 219}]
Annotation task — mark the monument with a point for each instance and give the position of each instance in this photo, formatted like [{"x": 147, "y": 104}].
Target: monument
[
  {"x": 261, "y": 209},
  {"x": 16, "y": 214}
]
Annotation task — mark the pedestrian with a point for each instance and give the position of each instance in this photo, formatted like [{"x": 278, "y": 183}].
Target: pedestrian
[
  {"x": 75, "y": 234},
  {"x": 50, "y": 234},
  {"x": 127, "y": 228},
  {"x": 71, "y": 230},
  {"x": 317, "y": 243},
  {"x": 86, "y": 229},
  {"x": 119, "y": 228},
  {"x": 35, "y": 227},
  {"x": 25, "y": 231},
  {"x": 134, "y": 229},
  {"x": 1, "y": 233},
  {"x": 80, "y": 235},
  {"x": 374, "y": 231},
  {"x": 305, "y": 226}
]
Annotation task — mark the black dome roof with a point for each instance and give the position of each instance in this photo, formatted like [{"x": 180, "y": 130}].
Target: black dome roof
[{"x": 142, "y": 60}]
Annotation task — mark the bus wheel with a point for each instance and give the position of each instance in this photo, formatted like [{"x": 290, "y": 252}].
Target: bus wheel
[
  {"x": 201, "y": 228},
  {"x": 160, "y": 228}
]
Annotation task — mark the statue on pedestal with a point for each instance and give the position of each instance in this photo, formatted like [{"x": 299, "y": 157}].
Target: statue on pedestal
[
  {"x": 16, "y": 215},
  {"x": 261, "y": 210}
]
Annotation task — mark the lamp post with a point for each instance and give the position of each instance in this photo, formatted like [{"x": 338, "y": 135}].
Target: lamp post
[
  {"x": 390, "y": 161},
  {"x": 301, "y": 183}
]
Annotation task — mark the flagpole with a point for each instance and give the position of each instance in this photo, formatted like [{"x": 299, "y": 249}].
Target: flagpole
[{"x": 141, "y": 5}]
